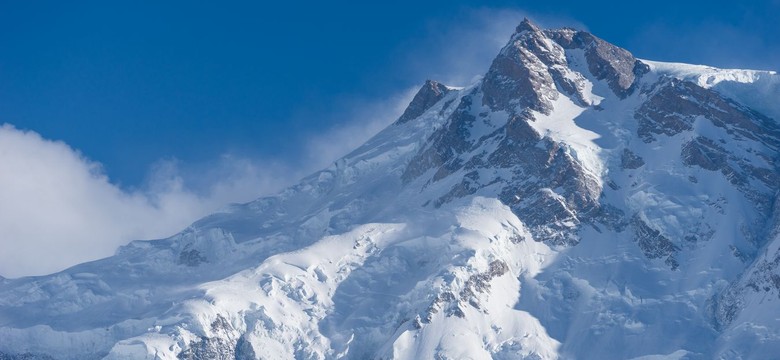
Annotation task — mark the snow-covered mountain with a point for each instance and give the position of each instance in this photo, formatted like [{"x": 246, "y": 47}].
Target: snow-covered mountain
[{"x": 574, "y": 203}]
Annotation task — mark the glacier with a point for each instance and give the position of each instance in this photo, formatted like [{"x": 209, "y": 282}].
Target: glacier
[{"x": 575, "y": 202}]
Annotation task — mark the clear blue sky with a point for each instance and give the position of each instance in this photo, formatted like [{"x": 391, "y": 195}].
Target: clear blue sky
[{"x": 128, "y": 83}]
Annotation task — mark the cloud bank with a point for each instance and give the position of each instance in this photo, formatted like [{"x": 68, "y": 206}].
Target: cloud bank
[{"x": 58, "y": 208}]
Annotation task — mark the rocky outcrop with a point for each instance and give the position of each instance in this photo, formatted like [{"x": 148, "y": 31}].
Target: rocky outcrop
[
  {"x": 444, "y": 145},
  {"x": 532, "y": 69},
  {"x": 519, "y": 77},
  {"x": 617, "y": 66},
  {"x": 630, "y": 161},
  {"x": 221, "y": 345},
  {"x": 743, "y": 173},
  {"x": 453, "y": 305},
  {"x": 480, "y": 283},
  {"x": 548, "y": 188},
  {"x": 673, "y": 106},
  {"x": 667, "y": 112},
  {"x": 428, "y": 95},
  {"x": 654, "y": 244},
  {"x": 244, "y": 350},
  {"x": 744, "y": 153},
  {"x": 761, "y": 279},
  {"x": 191, "y": 257},
  {"x": 708, "y": 155}
]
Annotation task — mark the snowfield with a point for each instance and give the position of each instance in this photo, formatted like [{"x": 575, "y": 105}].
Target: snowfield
[{"x": 575, "y": 203}]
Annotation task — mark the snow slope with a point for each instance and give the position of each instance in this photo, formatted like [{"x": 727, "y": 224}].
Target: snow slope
[{"x": 574, "y": 203}]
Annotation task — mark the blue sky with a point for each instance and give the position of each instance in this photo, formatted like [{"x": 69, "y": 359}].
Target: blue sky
[
  {"x": 128, "y": 83},
  {"x": 164, "y": 110}
]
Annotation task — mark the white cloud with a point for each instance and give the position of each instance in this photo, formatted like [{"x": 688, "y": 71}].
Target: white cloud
[{"x": 57, "y": 208}]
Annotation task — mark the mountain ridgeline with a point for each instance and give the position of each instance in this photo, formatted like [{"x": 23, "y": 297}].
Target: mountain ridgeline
[{"x": 573, "y": 203}]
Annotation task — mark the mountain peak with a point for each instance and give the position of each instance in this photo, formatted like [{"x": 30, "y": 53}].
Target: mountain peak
[
  {"x": 536, "y": 65},
  {"x": 607, "y": 196},
  {"x": 606, "y": 61},
  {"x": 429, "y": 94},
  {"x": 526, "y": 25}
]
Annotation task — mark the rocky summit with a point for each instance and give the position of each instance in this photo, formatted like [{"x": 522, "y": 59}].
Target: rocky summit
[{"x": 576, "y": 202}]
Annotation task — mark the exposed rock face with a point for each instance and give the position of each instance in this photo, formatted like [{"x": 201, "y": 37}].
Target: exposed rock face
[
  {"x": 209, "y": 348},
  {"x": 654, "y": 244},
  {"x": 630, "y": 161},
  {"x": 244, "y": 350},
  {"x": 537, "y": 166},
  {"x": 742, "y": 172},
  {"x": 430, "y": 93},
  {"x": 674, "y": 105},
  {"x": 546, "y": 185},
  {"x": 705, "y": 153},
  {"x": 220, "y": 346},
  {"x": 191, "y": 257},
  {"x": 761, "y": 280},
  {"x": 533, "y": 68},
  {"x": 480, "y": 283},
  {"x": 519, "y": 77},
  {"x": 445, "y": 145},
  {"x": 453, "y": 305},
  {"x": 605, "y": 61},
  {"x": 548, "y": 188}
]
